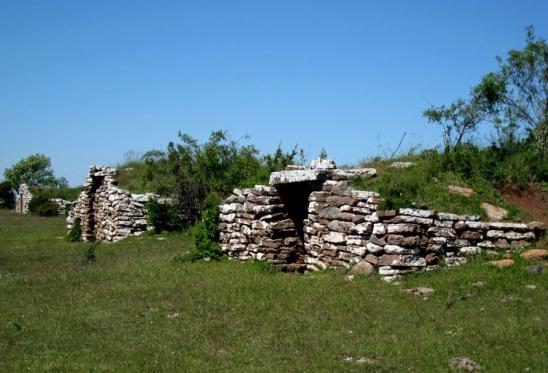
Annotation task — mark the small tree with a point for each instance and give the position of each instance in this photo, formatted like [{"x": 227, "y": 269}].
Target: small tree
[
  {"x": 32, "y": 170},
  {"x": 323, "y": 154},
  {"x": 511, "y": 98},
  {"x": 458, "y": 119},
  {"x": 518, "y": 92}
]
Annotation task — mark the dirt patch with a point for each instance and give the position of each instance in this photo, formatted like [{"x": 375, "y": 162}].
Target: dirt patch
[{"x": 531, "y": 199}]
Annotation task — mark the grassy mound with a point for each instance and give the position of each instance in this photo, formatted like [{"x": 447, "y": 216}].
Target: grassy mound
[{"x": 425, "y": 184}]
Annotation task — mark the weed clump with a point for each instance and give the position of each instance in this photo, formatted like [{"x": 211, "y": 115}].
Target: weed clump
[
  {"x": 89, "y": 254},
  {"x": 75, "y": 233}
]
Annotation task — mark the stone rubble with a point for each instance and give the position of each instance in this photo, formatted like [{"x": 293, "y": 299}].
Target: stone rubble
[
  {"x": 107, "y": 212},
  {"x": 340, "y": 226}
]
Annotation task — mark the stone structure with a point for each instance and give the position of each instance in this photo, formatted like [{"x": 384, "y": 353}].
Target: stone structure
[
  {"x": 107, "y": 212},
  {"x": 63, "y": 206},
  {"x": 22, "y": 199},
  {"x": 311, "y": 219}
]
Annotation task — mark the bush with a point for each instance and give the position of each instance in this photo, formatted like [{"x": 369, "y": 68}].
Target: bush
[
  {"x": 162, "y": 216},
  {"x": 188, "y": 170},
  {"x": 75, "y": 233},
  {"x": 206, "y": 233},
  {"x": 7, "y": 198},
  {"x": 41, "y": 205}
]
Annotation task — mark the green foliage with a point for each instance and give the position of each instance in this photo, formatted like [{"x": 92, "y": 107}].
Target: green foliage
[
  {"x": 189, "y": 171},
  {"x": 206, "y": 233},
  {"x": 41, "y": 205},
  {"x": 89, "y": 254},
  {"x": 75, "y": 233},
  {"x": 521, "y": 165},
  {"x": 323, "y": 154},
  {"x": 33, "y": 170},
  {"x": 426, "y": 183},
  {"x": 514, "y": 99},
  {"x": 265, "y": 267},
  {"x": 162, "y": 216},
  {"x": 457, "y": 120},
  {"x": 7, "y": 197},
  {"x": 66, "y": 193}
]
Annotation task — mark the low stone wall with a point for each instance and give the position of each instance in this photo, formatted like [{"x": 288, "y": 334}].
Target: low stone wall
[
  {"x": 107, "y": 212},
  {"x": 63, "y": 206},
  {"x": 342, "y": 226}
]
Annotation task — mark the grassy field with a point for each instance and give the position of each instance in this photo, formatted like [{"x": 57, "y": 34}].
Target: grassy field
[{"x": 135, "y": 309}]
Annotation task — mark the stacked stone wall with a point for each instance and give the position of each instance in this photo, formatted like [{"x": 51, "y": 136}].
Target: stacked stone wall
[
  {"x": 344, "y": 226},
  {"x": 22, "y": 199},
  {"x": 107, "y": 212},
  {"x": 255, "y": 224}
]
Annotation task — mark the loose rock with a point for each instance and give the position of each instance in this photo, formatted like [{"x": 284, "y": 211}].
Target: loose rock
[
  {"x": 464, "y": 363},
  {"x": 501, "y": 263}
]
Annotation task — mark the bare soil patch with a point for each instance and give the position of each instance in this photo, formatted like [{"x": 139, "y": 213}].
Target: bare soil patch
[{"x": 531, "y": 199}]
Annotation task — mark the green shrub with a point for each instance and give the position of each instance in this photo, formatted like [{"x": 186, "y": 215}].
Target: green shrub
[
  {"x": 206, "y": 233},
  {"x": 188, "y": 170},
  {"x": 7, "y": 198},
  {"x": 41, "y": 205},
  {"x": 162, "y": 216},
  {"x": 89, "y": 254},
  {"x": 426, "y": 183},
  {"x": 265, "y": 267},
  {"x": 75, "y": 233}
]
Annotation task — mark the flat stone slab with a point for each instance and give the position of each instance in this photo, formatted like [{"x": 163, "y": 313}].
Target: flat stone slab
[
  {"x": 349, "y": 173},
  {"x": 299, "y": 176},
  {"x": 296, "y": 176}
]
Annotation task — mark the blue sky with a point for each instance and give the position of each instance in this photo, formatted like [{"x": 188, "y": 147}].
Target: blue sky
[{"x": 84, "y": 82}]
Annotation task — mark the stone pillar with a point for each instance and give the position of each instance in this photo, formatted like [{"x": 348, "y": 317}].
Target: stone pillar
[{"x": 23, "y": 199}]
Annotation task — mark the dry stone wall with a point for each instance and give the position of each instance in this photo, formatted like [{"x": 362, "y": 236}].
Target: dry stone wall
[
  {"x": 22, "y": 199},
  {"x": 107, "y": 212},
  {"x": 254, "y": 224},
  {"x": 63, "y": 206},
  {"x": 311, "y": 222}
]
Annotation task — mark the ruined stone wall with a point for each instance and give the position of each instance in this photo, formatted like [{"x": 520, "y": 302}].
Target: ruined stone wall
[
  {"x": 22, "y": 199},
  {"x": 107, "y": 212},
  {"x": 255, "y": 225},
  {"x": 63, "y": 206},
  {"x": 343, "y": 226}
]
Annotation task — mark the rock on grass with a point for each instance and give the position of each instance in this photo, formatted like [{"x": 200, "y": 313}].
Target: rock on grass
[{"x": 464, "y": 364}]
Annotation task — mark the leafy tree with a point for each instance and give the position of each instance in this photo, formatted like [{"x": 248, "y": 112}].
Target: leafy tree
[
  {"x": 518, "y": 92},
  {"x": 512, "y": 98},
  {"x": 32, "y": 170},
  {"x": 457, "y": 120}
]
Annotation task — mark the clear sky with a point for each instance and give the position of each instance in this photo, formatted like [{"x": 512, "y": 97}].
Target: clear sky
[{"x": 84, "y": 82}]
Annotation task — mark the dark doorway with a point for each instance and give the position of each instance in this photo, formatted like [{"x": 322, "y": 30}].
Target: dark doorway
[
  {"x": 90, "y": 224},
  {"x": 295, "y": 199}
]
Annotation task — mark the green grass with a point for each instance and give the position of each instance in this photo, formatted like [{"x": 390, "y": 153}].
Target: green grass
[
  {"x": 419, "y": 184},
  {"x": 135, "y": 309}
]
